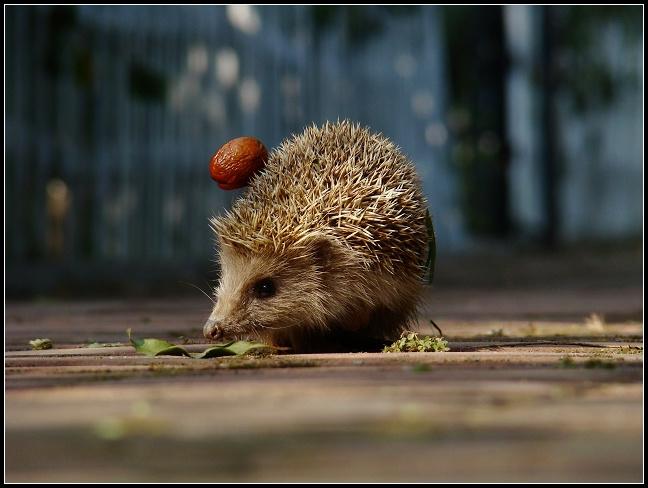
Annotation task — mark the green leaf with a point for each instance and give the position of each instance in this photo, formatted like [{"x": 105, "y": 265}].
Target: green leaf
[
  {"x": 243, "y": 347},
  {"x": 156, "y": 347},
  {"x": 159, "y": 347},
  {"x": 215, "y": 351},
  {"x": 237, "y": 348}
]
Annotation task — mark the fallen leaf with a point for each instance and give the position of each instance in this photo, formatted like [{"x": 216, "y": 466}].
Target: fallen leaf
[
  {"x": 156, "y": 347},
  {"x": 243, "y": 347},
  {"x": 159, "y": 347}
]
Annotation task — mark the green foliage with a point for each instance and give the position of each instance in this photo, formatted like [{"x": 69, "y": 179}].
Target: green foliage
[{"x": 411, "y": 342}]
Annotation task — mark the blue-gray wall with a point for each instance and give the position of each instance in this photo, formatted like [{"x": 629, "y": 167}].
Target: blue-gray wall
[{"x": 119, "y": 109}]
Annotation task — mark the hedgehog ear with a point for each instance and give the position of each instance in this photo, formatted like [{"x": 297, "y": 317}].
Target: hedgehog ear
[{"x": 324, "y": 249}]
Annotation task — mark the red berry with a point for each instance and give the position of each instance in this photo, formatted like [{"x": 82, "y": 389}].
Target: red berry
[{"x": 236, "y": 162}]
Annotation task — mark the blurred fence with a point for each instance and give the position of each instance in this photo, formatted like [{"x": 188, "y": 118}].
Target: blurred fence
[
  {"x": 119, "y": 109},
  {"x": 525, "y": 123},
  {"x": 575, "y": 121}
]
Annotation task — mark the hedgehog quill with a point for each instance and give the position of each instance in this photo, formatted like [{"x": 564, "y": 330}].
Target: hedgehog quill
[{"x": 327, "y": 248}]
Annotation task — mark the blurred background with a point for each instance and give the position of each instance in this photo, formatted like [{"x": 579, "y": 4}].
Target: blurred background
[{"x": 525, "y": 123}]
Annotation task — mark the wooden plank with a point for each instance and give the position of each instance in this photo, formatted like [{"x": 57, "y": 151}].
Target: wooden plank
[{"x": 487, "y": 411}]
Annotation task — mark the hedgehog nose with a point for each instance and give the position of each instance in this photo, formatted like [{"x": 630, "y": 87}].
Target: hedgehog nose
[{"x": 213, "y": 330}]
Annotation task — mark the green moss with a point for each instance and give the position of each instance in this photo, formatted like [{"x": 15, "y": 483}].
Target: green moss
[
  {"x": 411, "y": 342},
  {"x": 40, "y": 344}
]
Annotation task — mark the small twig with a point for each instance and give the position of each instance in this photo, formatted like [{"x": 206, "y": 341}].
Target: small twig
[{"x": 437, "y": 327}]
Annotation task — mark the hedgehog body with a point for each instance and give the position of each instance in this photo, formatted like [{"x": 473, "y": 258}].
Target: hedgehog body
[{"x": 326, "y": 249}]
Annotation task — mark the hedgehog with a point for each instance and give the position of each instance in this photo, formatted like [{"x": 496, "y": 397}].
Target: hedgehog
[{"x": 326, "y": 249}]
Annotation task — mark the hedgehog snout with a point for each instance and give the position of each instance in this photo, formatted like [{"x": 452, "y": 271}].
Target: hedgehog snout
[{"x": 213, "y": 329}]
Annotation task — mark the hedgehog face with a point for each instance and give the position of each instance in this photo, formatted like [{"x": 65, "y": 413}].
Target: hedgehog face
[{"x": 265, "y": 294}]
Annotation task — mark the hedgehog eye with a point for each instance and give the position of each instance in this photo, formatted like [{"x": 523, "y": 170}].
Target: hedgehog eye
[{"x": 264, "y": 288}]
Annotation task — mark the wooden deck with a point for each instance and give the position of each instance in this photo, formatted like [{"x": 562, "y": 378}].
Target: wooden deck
[{"x": 566, "y": 408}]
